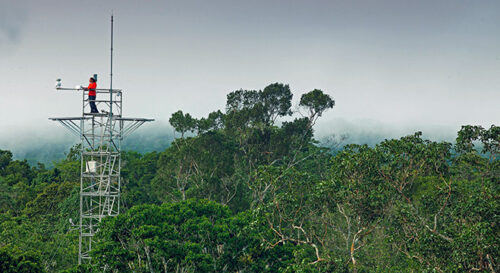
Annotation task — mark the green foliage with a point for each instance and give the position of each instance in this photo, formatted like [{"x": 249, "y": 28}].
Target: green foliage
[
  {"x": 200, "y": 167},
  {"x": 316, "y": 102},
  {"x": 182, "y": 123},
  {"x": 47, "y": 201},
  {"x": 11, "y": 262},
  {"x": 490, "y": 139},
  {"x": 5, "y": 159},
  {"x": 33, "y": 221},
  {"x": 248, "y": 192},
  {"x": 189, "y": 236},
  {"x": 250, "y": 108},
  {"x": 137, "y": 173},
  {"x": 214, "y": 121}
]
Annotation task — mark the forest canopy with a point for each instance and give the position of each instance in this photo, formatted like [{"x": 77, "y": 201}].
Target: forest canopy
[{"x": 248, "y": 188}]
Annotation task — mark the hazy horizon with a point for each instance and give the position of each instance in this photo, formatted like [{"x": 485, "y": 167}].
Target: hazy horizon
[{"x": 54, "y": 143}]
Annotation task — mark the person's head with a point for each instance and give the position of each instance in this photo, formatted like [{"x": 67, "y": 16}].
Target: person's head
[{"x": 91, "y": 80}]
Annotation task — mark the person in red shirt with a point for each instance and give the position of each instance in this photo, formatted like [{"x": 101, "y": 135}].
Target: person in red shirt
[{"x": 92, "y": 94}]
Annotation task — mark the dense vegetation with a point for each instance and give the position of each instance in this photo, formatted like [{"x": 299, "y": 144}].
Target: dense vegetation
[{"x": 250, "y": 190}]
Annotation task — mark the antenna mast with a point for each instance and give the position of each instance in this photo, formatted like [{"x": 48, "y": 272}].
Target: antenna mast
[{"x": 111, "y": 68}]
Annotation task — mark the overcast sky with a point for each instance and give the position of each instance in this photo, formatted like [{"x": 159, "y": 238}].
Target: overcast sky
[{"x": 393, "y": 67}]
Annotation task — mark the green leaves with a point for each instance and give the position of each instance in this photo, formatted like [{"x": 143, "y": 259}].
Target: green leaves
[
  {"x": 185, "y": 123},
  {"x": 192, "y": 235},
  {"x": 277, "y": 101},
  {"x": 182, "y": 123},
  {"x": 250, "y": 108},
  {"x": 11, "y": 262},
  {"x": 489, "y": 138},
  {"x": 5, "y": 159},
  {"x": 316, "y": 103},
  {"x": 246, "y": 192},
  {"x": 46, "y": 203}
]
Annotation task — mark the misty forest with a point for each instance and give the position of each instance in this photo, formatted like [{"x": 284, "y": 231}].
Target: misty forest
[{"x": 249, "y": 188}]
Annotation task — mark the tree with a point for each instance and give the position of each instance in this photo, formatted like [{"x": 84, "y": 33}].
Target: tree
[
  {"x": 199, "y": 167},
  {"x": 5, "y": 159},
  {"x": 214, "y": 121},
  {"x": 182, "y": 123},
  {"x": 316, "y": 102},
  {"x": 250, "y": 108},
  {"x": 277, "y": 101}
]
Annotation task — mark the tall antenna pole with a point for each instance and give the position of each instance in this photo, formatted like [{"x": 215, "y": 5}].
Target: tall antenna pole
[{"x": 111, "y": 72}]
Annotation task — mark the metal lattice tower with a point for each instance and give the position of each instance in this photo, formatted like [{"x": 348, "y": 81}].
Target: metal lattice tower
[{"x": 101, "y": 135}]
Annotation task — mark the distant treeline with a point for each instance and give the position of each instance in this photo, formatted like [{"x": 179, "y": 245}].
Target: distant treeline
[{"x": 48, "y": 152}]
